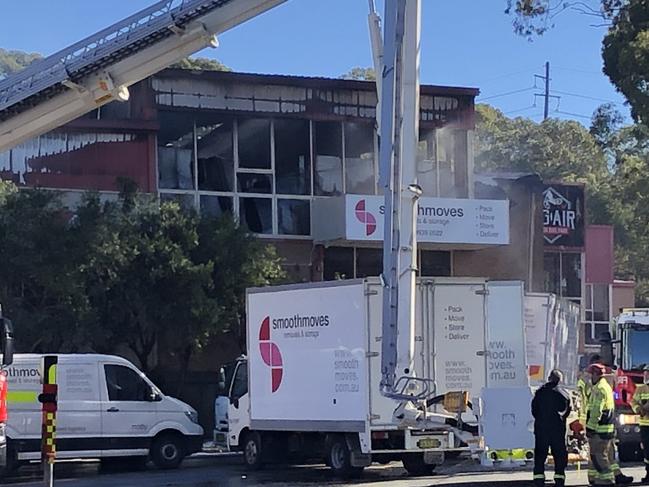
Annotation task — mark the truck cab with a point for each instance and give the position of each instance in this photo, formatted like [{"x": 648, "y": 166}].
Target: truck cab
[
  {"x": 233, "y": 388},
  {"x": 626, "y": 349}
]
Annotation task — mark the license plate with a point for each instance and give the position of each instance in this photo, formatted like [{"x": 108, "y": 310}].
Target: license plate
[{"x": 426, "y": 443}]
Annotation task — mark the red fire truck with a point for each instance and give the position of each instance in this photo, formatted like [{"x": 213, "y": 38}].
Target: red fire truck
[
  {"x": 626, "y": 349},
  {"x": 7, "y": 350}
]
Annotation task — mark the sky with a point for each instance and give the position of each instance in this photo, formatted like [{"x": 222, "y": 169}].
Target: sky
[{"x": 464, "y": 43}]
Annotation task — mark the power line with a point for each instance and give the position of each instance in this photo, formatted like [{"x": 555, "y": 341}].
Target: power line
[
  {"x": 506, "y": 94},
  {"x": 586, "y": 97},
  {"x": 588, "y": 117},
  {"x": 519, "y": 110},
  {"x": 584, "y": 71}
]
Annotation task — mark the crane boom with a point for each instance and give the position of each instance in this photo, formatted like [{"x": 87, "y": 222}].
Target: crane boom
[{"x": 100, "y": 68}]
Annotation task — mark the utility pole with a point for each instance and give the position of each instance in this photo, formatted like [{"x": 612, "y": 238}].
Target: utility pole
[{"x": 546, "y": 92}]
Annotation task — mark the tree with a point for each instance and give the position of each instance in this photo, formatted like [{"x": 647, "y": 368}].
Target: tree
[
  {"x": 13, "y": 61},
  {"x": 200, "y": 64},
  {"x": 41, "y": 287},
  {"x": 358, "y": 73},
  {"x": 626, "y": 56},
  {"x": 625, "y": 48}
]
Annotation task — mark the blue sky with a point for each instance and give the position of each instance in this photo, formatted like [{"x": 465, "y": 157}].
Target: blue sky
[{"x": 464, "y": 43}]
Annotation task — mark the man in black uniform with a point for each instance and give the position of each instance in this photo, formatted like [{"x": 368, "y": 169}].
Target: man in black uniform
[{"x": 550, "y": 408}]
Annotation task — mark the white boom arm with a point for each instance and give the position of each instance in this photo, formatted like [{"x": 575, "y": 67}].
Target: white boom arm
[{"x": 100, "y": 69}]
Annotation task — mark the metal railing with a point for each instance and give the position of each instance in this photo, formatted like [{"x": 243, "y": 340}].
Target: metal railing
[{"x": 102, "y": 49}]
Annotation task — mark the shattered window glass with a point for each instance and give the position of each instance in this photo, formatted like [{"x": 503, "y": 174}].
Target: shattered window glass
[
  {"x": 292, "y": 161},
  {"x": 256, "y": 214},
  {"x": 426, "y": 165},
  {"x": 294, "y": 217},
  {"x": 254, "y": 143},
  {"x": 359, "y": 158},
  {"x": 215, "y": 157},
  {"x": 255, "y": 183},
  {"x": 328, "y": 174},
  {"x": 176, "y": 154}
]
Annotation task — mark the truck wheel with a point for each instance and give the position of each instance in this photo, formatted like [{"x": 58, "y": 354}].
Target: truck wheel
[
  {"x": 252, "y": 450},
  {"x": 415, "y": 465},
  {"x": 628, "y": 452},
  {"x": 167, "y": 451},
  {"x": 339, "y": 459}
]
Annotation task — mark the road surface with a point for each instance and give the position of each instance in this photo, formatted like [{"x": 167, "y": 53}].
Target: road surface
[{"x": 217, "y": 471}]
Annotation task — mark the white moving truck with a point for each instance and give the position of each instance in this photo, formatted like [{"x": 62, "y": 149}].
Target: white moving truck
[
  {"x": 308, "y": 387},
  {"x": 107, "y": 408}
]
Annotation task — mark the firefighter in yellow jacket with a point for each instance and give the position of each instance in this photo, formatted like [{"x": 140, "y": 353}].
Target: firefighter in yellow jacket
[
  {"x": 640, "y": 405},
  {"x": 600, "y": 431}
]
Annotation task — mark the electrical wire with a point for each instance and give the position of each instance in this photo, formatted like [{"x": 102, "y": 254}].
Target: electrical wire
[
  {"x": 506, "y": 94},
  {"x": 519, "y": 110},
  {"x": 588, "y": 117},
  {"x": 586, "y": 97}
]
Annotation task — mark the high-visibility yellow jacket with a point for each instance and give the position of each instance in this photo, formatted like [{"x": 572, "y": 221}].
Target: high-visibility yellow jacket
[
  {"x": 601, "y": 408},
  {"x": 584, "y": 392},
  {"x": 640, "y": 403}
]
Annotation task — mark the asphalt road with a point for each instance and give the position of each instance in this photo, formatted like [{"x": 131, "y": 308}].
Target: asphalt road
[{"x": 214, "y": 471}]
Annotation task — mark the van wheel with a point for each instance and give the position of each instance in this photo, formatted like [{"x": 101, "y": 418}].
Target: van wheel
[
  {"x": 252, "y": 450},
  {"x": 167, "y": 451},
  {"x": 339, "y": 458},
  {"x": 415, "y": 465}
]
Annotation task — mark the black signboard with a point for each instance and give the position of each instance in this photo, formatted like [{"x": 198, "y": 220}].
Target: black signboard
[{"x": 563, "y": 216}]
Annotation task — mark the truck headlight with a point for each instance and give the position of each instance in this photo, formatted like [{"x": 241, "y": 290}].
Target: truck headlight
[
  {"x": 192, "y": 416},
  {"x": 625, "y": 419}
]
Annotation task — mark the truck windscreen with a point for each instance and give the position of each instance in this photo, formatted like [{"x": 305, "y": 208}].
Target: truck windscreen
[{"x": 636, "y": 348}]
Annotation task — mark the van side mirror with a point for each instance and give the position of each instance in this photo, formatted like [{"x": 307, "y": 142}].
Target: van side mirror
[
  {"x": 221, "y": 384},
  {"x": 154, "y": 396},
  {"x": 7, "y": 330}
]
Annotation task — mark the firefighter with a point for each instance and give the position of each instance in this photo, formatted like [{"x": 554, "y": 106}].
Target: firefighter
[
  {"x": 640, "y": 405},
  {"x": 600, "y": 431},
  {"x": 550, "y": 408}
]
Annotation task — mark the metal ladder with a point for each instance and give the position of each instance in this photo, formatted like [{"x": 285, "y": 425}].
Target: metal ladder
[{"x": 45, "y": 78}]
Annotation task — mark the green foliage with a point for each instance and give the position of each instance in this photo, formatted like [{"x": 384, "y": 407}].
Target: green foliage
[
  {"x": 200, "y": 64},
  {"x": 130, "y": 273},
  {"x": 13, "y": 61},
  {"x": 626, "y": 56},
  {"x": 358, "y": 73},
  {"x": 611, "y": 159}
]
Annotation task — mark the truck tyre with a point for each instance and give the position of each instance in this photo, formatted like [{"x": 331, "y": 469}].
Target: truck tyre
[
  {"x": 415, "y": 466},
  {"x": 252, "y": 450},
  {"x": 167, "y": 451},
  {"x": 628, "y": 452},
  {"x": 339, "y": 458}
]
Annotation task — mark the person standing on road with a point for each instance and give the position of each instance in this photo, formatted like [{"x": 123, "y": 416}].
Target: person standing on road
[
  {"x": 600, "y": 431},
  {"x": 640, "y": 405},
  {"x": 550, "y": 408}
]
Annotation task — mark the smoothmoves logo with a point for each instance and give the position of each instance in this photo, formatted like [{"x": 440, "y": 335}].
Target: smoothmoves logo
[
  {"x": 270, "y": 354},
  {"x": 365, "y": 217}
]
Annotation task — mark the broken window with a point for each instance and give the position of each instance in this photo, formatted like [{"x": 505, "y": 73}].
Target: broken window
[
  {"x": 446, "y": 162},
  {"x": 359, "y": 158},
  {"x": 435, "y": 263},
  {"x": 256, "y": 214},
  {"x": 338, "y": 263},
  {"x": 255, "y": 183},
  {"x": 426, "y": 162},
  {"x": 254, "y": 143},
  {"x": 369, "y": 262},
  {"x": 292, "y": 161},
  {"x": 571, "y": 275},
  {"x": 294, "y": 217},
  {"x": 176, "y": 152},
  {"x": 328, "y": 174},
  {"x": 215, "y": 206},
  {"x": 215, "y": 157}
]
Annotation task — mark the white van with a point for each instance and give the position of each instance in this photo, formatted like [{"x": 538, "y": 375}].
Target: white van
[{"x": 107, "y": 408}]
